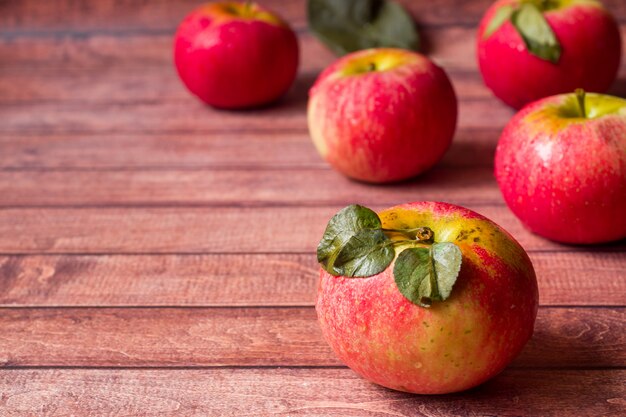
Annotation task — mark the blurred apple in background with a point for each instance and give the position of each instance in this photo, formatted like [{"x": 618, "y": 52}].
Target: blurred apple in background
[
  {"x": 235, "y": 55},
  {"x": 382, "y": 115},
  {"x": 528, "y": 50},
  {"x": 561, "y": 166}
]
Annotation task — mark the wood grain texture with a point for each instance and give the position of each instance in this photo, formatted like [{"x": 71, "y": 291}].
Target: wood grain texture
[
  {"x": 120, "y": 15},
  {"x": 301, "y": 392},
  {"x": 289, "y": 114},
  {"x": 564, "y": 337},
  {"x": 197, "y": 230},
  {"x": 453, "y": 47},
  {"x": 239, "y": 187},
  {"x": 470, "y": 147},
  {"x": 119, "y": 85},
  {"x": 257, "y": 280}
]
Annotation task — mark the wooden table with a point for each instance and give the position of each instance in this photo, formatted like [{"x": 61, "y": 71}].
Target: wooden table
[{"x": 157, "y": 256}]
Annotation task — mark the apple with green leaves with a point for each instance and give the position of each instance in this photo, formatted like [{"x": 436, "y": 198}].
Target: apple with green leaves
[
  {"x": 530, "y": 49},
  {"x": 382, "y": 115},
  {"x": 426, "y": 297},
  {"x": 561, "y": 166},
  {"x": 235, "y": 55}
]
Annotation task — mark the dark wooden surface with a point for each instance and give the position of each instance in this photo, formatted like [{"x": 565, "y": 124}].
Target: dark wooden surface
[{"x": 157, "y": 256}]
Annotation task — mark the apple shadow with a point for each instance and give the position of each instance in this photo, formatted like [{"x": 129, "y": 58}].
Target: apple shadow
[
  {"x": 298, "y": 94},
  {"x": 618, "y": 88},
  {"x": 295, "y": 99}
]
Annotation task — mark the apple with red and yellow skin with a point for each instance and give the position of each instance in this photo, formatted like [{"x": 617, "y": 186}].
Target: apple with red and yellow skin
[
  {"x": 590, "y": 52},
  {"x": 235, "y": 55},
  {"x": 382, "y": 115},
  {"x": 455, "y": 344},
  {"x": 562, "y": 169}
]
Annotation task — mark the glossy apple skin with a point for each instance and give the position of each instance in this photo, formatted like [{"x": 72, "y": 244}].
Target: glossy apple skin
[
  {"x": 382, "y": 126},
  {"x": 565, "y": 179},
  {"x": 591, "y": 52},
  {"x": 453, "y": 345},
  {"x": 235, "y": 62}
]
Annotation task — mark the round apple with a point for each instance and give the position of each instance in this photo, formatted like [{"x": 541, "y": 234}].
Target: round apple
[
  {"x": 235, "y": 55},
  {"x": 382, "y": 115},
  {"x": 532, "y": 49},
  {"x": 561, "y": 166},
  {"x": 426, "y": 297}
]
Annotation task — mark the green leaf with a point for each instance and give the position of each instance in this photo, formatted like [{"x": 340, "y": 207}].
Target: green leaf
[
  {"x": 424, "y": 275},
  {"x": 448, "y": 258},
  {"x": 499, "y": 18},
  {"x": 351, "y": 25},
  {"x": 367, "y": 253},
  {"x": 340, "y": 229},
  {"x": 536, "y": 32}
]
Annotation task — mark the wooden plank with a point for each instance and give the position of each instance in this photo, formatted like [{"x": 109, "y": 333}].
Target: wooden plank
[
  {"x": 120, "y": 15},
  {"x": 471, "y": 147},
  {"x": 310, "y": 392},
  {"x": 238, "y": 187},
  {"x": 137, "y": 85},
  {"x": 301, "y": 392},
  {"x": 196, "y": 230},
  {"x": 452, "y": 47},
  {"x": 254, "y": 279},
  {"x": 191, "y": 116},
  {"x": 157, "y": 151},
  {"x": 564, "y": 337}
]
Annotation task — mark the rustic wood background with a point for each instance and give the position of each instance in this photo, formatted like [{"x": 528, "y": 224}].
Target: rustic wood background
[{"x": 157, "y": 256}]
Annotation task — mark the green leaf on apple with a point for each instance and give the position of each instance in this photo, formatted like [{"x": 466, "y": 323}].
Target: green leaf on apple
[
  {"x": 427, "y": 274},
  {"x": 368, "y": 252},
  {"x": 351, "y": 25},
  {"x": 350, "y": 246},
  {"x": 500, "y": 16},
  {"x": 536, "y": 32},
  {"x": 355, "y": 245}
]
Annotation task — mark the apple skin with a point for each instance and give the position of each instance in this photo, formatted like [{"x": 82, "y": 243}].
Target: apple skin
[
  {"x": 565, "y": 177},
  {"x": 382, "y": 125},
  {"x": 235, "y": 56},
  {"x": 591, "y": 52},
  {"x": 455, "y": 344}
]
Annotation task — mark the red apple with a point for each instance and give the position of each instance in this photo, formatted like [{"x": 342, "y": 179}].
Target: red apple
[
  {"x": 562, "y": 168},
  {"x": 235, "y": 55},
  {"x": 455, "y": 344},
  {"x": 382, "y": 115},
  {"x": 590, "y": 45}
]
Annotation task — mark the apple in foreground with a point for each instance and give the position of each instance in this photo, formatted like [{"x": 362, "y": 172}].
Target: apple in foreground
[
  {"x": 581, "y": 48},
  {"x": 382, "y": 115},
  {"x": 235, "y": 55},
  {"x": 561, "y": 166},
  {"x": 433, "y": 347}
]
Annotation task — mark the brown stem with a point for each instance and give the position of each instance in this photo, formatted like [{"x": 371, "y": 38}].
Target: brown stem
[{"x": 425, "y": 235}]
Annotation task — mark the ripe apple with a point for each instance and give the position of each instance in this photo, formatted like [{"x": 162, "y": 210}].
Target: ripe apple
[
  {"x": 561, "y": 167},
  {"x": 590, "y": 45},
  {"x": 454, "y": 344},
  {"x": 235, "y": 55},
  {"x": 382, "y": 115}
]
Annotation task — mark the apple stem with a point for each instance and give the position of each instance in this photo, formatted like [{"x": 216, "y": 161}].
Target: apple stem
[
  {"x": 422, "y": 234},
  {"x": 371, "y": 67},
  {"x": 425, "y": 235},
  {"x": 580, "y": 96}
]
